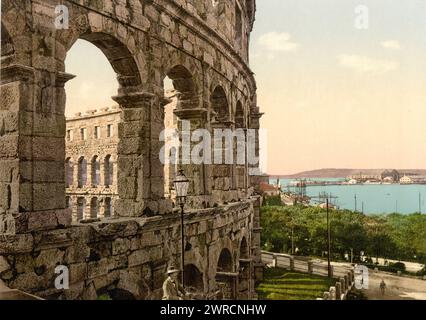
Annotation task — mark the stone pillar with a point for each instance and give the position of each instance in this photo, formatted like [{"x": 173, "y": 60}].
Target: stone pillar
[
  {"x": 256, "y": 241},
  {"x": 343, "y": 284},
  {"x": 140, "y": 172},
  {"x": 32, "y": 136},
  {"x": 222, "y": 173},
  {"x": 197, "y": 193},
  {"x": 74, "y": 208},
  {"x": 87, "y": 208},
  {"x": 326, "y": 296},
  {"x": 333, "y": 293},
  {"x": 292, "y": 263},
  {"x": 338, "y": 290},
  {"x": 253, "y": 169},
  {"x": 274, "y": 261},
  {"x": 310, "y": 267},
  {"x": 101, "y": 207}
]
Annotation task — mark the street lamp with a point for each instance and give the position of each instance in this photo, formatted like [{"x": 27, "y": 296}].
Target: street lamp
[{"x": 181, "y": 184}]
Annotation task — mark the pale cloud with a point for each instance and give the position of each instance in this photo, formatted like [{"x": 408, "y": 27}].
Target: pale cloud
[
  {"x": 274, "y": 42},
  {"x": 391, "y": 44},
  {"x": 363, "y": 64}
]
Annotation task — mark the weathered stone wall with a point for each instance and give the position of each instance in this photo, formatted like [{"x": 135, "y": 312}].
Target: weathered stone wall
[
  {"x": 126, "y": 254},
  {"x": 203, "y": 49}
]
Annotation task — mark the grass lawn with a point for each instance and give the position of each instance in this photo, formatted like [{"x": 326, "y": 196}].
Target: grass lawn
[{"x": 281, "y": 284}]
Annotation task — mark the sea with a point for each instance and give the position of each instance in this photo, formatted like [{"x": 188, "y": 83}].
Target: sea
[{"x": 370, "y": 199}]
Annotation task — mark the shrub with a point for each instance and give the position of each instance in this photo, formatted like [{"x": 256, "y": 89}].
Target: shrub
[{"x": 399, "y": 266}]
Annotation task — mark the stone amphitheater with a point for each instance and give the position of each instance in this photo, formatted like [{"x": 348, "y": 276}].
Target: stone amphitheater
[{"x": 203, "y": 47}]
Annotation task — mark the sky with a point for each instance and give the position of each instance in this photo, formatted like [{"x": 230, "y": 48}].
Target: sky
[{"x": 341, "y": 87}]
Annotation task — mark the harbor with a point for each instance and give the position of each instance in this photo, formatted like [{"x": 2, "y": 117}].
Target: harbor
[{"x": 369, "y": 198}]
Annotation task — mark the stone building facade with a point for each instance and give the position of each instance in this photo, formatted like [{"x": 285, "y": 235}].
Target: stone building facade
[
  {"x": 91, "y": 149},
  {"x": 202, "y": 46}
]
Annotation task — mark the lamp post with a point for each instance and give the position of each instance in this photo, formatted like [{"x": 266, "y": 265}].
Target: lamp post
[{"x": 181, "y": 184}]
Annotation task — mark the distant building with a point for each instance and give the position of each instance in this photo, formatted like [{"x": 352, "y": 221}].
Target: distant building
[
  {"x": 389, "y": 180},
  {"x": 91, "y": 163},
  {"x": 395, "y": 175},
  {"x": 406, "y": 180},
  {"x": 352, "y": 181},
  {"x": 269, "y": 190},
  {"x": 365, "y": 177}
]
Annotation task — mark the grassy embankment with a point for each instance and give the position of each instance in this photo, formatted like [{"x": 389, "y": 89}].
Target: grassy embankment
[{"x": 280, "y": 284}]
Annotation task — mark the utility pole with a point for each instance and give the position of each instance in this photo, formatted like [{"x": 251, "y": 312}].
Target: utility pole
[
  {"x": 396, "y": 207},
  {"x": 356, "y": 203},
  {"x": 420, "y": 202},
  {"x": 363, "y": 207},
  {"x": 328, "y": 240}
]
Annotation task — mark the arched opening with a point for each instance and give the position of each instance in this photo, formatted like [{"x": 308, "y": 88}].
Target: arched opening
[
  {"x": 69, "y": 172},
  {"x": 109, "y": 69},
  {"x": 244, "y": 249},
  {"x": 94, "y": 208},
  {"x": 82, "y": 172},
  {"x": 180, "y": 79},
  {"x": 180, "y": 94},
  {"x": 7, "y": 49},
  {"x": 193, "y": 279},
  {"x": 108, "y": 208},
  {"x": 81, "y": 208},
  {"x": 239, "y": 116},
  {"x": 244, "y": 271},
  {"x": 219, "y": 104},
  {"x": 225, "y": 263},
  {"x": 223, "y": 169},
  {"x": 108, "y": 171},
  {"x": 96, "y": 171},
  {"x": 225, "y": 275}
]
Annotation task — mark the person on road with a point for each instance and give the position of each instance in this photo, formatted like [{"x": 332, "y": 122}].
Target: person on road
[{"x": 383, "y": 287}]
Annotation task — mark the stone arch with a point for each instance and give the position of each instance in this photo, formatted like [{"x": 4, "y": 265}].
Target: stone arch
[
  {"x": 184, "y": 84},
  {"x": 108, "y": 171},
  {"x": 69, "y": 172},
  {"x": 244, "y": 272},
  {"x": 82, "y": 172},
  {"x": 219, "y": 104},
  {"x": 225, "y": 274},
  {"x": 225, "y": 262},
  {"x": 193, "y": 278},
  {"x": 115, "y": 39},
  {"x": 240, "y": 119},
  {"x": 81, "y": 208},
  {"x": 244, "y": 249},
  {"x": 7, "y": 47},
  {"x": 94, "y": 208},
  {"x": 95, "y": 172}
]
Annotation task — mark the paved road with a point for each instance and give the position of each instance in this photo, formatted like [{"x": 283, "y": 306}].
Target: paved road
[{"x": 397, "y": 288}]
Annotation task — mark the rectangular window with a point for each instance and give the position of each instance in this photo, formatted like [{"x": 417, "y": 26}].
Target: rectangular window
[
  {"x": 110, "y": 131},
  {"x": 69, "y": 135},
  {"x": 97, "y": 132},
  {"x": 83, "y": 133}
]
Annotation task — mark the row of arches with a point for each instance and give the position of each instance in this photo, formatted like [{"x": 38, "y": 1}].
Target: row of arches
[
  {"x": 230, "y": 281},
  {"x": 220, "y": 90},
  {"x": 96, "y": 174},
  {"x": 90, "y": 207}
]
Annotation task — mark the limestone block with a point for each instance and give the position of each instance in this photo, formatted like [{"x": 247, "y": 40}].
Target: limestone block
[
  {"x": 120, "y": 246},
  {"x": 78, "y": 273}
]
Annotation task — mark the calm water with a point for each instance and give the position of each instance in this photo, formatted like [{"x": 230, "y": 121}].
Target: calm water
[{"x": 376, "y": 198}]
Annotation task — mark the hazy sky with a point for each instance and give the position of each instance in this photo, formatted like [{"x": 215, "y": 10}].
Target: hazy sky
[{"x": 334, "y": 96}]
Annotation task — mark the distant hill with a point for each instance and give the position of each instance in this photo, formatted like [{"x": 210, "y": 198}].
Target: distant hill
[{"x": 342, "y": 173}]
